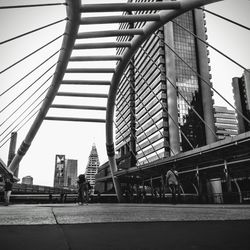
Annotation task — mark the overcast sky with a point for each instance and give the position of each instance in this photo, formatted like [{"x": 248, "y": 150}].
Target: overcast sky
[{"x": 76, "y": 139}]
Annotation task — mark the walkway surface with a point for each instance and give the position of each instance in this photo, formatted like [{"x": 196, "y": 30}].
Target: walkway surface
[{"x": 124, "y": 226}]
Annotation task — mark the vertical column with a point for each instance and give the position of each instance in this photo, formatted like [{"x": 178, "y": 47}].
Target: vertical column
[
  {"x": 206, "y": 92},
  {"x": 174, "y": 137},
  {"x": 132, "y": 105},
  {"x": 12, "y": 150}
]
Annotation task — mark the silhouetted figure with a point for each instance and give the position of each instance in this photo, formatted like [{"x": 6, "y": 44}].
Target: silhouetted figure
[
  {"x": 7, "y": 190},
  {"x": 83, "y": 190},
  {"x": 172, "y": 182}
]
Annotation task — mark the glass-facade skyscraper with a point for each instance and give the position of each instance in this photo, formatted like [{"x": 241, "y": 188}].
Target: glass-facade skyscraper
[{"x": 161, "y": 97}]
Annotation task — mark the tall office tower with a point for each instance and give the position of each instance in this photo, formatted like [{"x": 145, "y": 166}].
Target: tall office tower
[
  {"x": 160, "y": 96},
  {"x": 93, "y": 164},
  {"x": 70, "y": 177},
  {"x": 59, "y": 171},
  {"x": 241, "y": 90},
  {"x": 225, "y": 122},
  {"x": 27, "y": 180}
]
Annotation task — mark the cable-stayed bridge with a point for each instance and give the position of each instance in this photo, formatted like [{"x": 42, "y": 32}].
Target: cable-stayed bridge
[{"x": 148, "y": 124}]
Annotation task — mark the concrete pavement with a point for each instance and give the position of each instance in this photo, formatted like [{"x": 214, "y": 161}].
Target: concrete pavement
[{"x": 124, "y": 226}]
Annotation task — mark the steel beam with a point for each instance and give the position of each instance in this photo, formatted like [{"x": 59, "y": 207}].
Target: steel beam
[
  {"x": 90, "y": 70},
  {"x": 82, "y": 94},
  {"x": 120, "y": 19},
  {"x": 102, "y": 45},
  {"x": 110, "y": 7},
  {"x": 71, "y": 30},
  {"x": 86, "y": 82},
  {"x": 62, "y": 106},
  {"x": 109, "y": 33},
  {"x": 94, "y": 58},
  {"x": 72, "y": 119}
]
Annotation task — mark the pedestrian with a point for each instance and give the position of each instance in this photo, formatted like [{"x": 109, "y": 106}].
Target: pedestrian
[
  {"x": 83, "y": 189},
  {"x": 173, "y": 182},
  {"x": 7, "y": 190}
]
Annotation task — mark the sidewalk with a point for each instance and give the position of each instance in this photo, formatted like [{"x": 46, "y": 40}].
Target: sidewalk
[{"x": 124, "y": 226}]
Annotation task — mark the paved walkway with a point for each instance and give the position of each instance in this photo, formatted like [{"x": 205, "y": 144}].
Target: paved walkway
[{"x": 124, "y": 226}]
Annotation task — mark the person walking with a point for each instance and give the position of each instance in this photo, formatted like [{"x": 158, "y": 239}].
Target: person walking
[
  {"x": 83, "y": 190},
  {"x": 7, "y": 191},
  {"x": 173, "y": 182}
]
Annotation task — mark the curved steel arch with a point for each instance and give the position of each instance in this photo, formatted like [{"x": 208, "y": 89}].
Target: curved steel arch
[
  {"x": 136, "y": 42},
  {"x": 70, "y": 34}
]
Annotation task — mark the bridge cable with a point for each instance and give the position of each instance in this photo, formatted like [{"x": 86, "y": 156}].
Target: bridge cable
[
  {"x": 229, "y": 58},
  {"x": 166, "y": 111},
  {"x": 28, "y": 87},
  {"x": 24, "y": 103},
  {"x": 22, "y": 121},
  {"x": 32, "y": 53},
  {"x": 27, "y": 33},
  {"x": 150, "y": 115},
  {"x": 28, "y": 106},
  {"x": 183, "y": 97},
  {"x": 4, "y": 92},
  {"x": 141, "y": 126},
  {"x": 229, "y": 20},
  {"x": 31, "y": 5},
  {"x": 133, "y": 135},
  {"x": 205, "y": 81}
]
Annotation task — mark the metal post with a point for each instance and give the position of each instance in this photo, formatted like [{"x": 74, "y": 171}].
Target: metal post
[
  {"x": 12, "y": 150},
  {"x": 174, "y": 137}
]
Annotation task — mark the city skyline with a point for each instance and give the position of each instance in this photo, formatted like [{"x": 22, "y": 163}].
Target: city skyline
[{"x": 50, "y": 140}]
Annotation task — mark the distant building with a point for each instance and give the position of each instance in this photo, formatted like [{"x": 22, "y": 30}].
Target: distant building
[
  {"x": 65, "y": 172},
  {"x": 27, "y": 180},
  {"x": 59, "y": 171},
  {"x": 225, "y": 122},
  {"x": 92, "y": 167},
  {"x": 70, "y": 177},
  {"x": 241, "y": 90}
]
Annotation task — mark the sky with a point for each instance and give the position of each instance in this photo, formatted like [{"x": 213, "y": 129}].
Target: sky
[{"x": 75, "y": 140}]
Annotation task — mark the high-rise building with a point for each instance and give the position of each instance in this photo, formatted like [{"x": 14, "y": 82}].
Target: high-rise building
[
  {"x": 70, "y": 177},
  {"x": 241, "y": 91},
  {"x": 159, "y": 94},
  {"x": 65, "y": 172},
  {"x": 59, "y": 171},
  {"x": 27, "y": 180},
  {"x": 225, "y": 122},
  {"x": 92, "y": 166}
]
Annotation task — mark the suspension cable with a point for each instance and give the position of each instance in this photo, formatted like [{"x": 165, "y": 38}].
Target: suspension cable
[
  {"x": 203, "y": 80},
  {"x": 165, "y": 109},
  {"x": 141, "y": 126},
  {"x": 123, "y": 137},
  {"x": 27, "y": 33},
  {"x": 31, "y": 54},
  {"x": 31, "y": 5},
  {"x": 26, "y": 108},
  {"x": 19, "y": 116},
  {"x": 26, "y": 101},
  {"x": 208, "y": 44},
  {"x": 184, "y": 98},
  {"x": 150, "y": 115},
  {"x": 229, "y": 20},
  {"x": 27, "y": 88},
  {"x": 23, "y": 119},
  {"x": 133, "y": 137},
  {"x": 28, "y": 74}
]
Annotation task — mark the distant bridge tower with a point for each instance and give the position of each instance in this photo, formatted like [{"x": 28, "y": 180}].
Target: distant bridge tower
[{"x": 93, "y": 164}]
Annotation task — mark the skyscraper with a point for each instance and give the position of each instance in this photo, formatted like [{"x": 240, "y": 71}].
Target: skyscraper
[
  {"x": 159, "y": 94},
  {"x": 92, "y": 166},
  {"x": 225, "y": 122},
  {"x": 70, "y": 177},
  {"x": 241, "y": 91},
  {"x": 65, "y": 172}
]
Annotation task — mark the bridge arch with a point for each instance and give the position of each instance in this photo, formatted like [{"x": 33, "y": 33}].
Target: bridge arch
[{"x": 149, "y": 29}]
